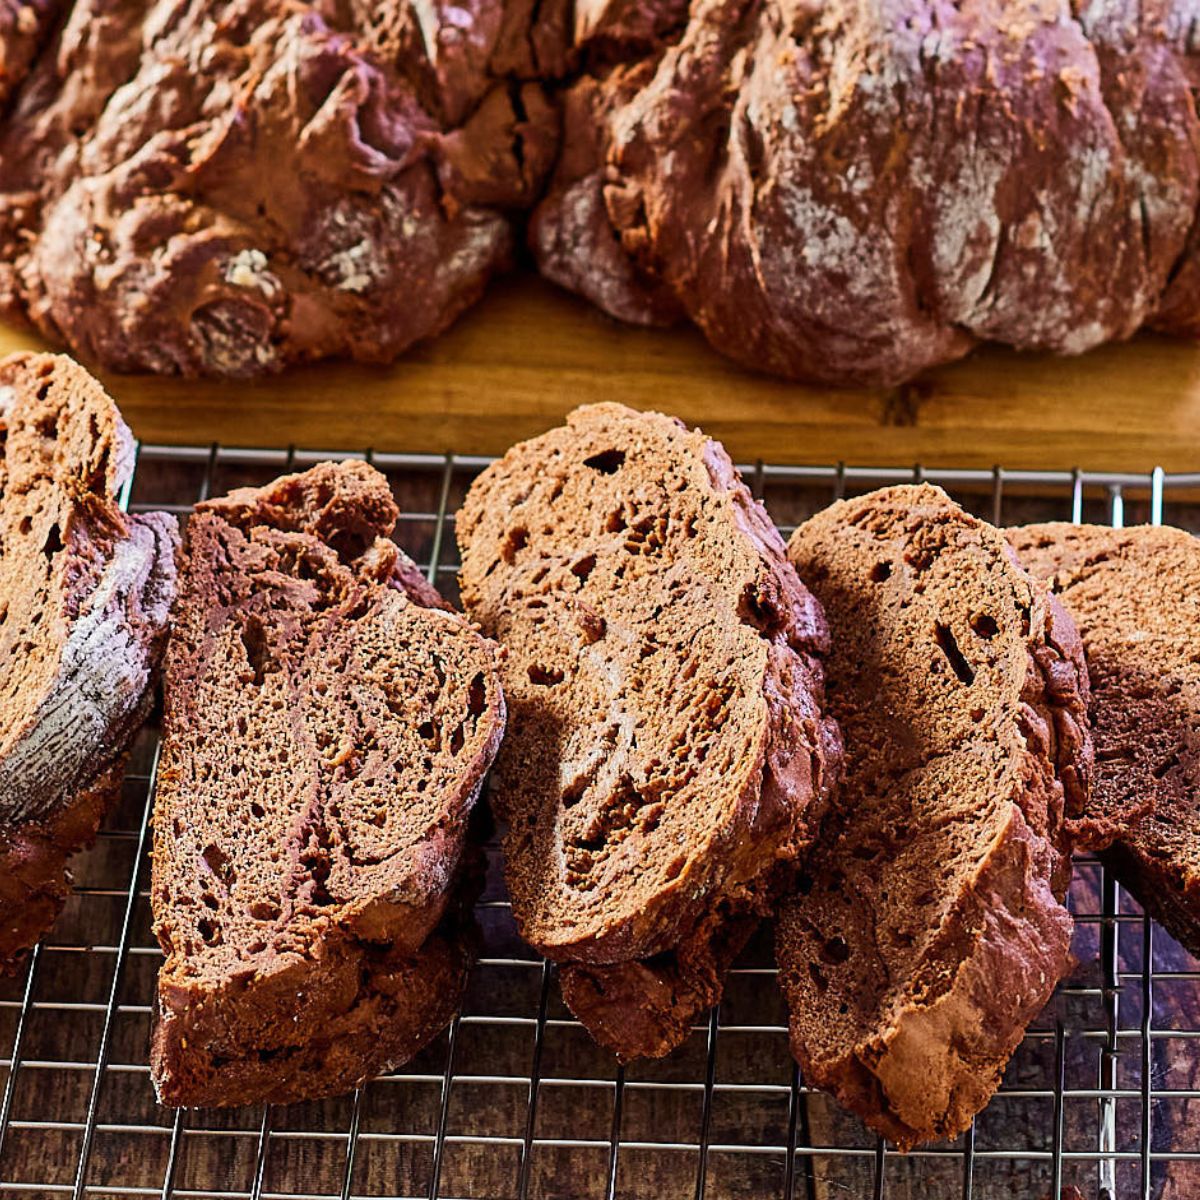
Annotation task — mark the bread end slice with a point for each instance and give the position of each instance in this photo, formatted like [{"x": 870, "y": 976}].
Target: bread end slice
[{"x": 85, "y": 593}]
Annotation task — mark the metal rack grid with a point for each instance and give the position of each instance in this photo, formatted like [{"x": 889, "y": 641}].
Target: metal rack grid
[{"x": 513, "y": 1100}]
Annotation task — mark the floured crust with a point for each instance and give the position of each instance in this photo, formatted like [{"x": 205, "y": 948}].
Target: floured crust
[
  {"x": 86, "y": 593},
  {"x": 226, "y": 188},
  {"x": 930, "y": 927},
  {"x": 855, "y": 192},
  {"x": 621, "y": 561},
  {"x": 325, "y": 739},
  {"x": 1134, "y": 595}
]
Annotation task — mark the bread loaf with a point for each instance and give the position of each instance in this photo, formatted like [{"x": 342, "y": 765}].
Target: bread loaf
[
  {"x": 929, "y": 927},
  {"x": 853, "y": 192},
  {"x": 667, "y": 758},
  {"x": 85, "y": 592},
  {"x": 228, "y": 187},
  {"x": 326, "y": 735}
]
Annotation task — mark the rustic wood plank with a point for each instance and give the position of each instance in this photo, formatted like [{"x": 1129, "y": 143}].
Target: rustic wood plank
[{"x": 529, "y": 353}]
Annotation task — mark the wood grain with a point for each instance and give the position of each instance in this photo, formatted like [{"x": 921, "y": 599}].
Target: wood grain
[{"x": 529, "y": 353}]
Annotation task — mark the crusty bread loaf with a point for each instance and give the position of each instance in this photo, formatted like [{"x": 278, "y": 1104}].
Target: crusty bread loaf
[
  {"x": 929, "y": 927},
  {"x": 853, "y": 192},
  {"x": 85, "y": 592},
  {"x": 1135, "y": 596},
  {"x": 325, "y": 739},
  {"x": 230, "y": 187},
  {"x": 668, "y": 757}
]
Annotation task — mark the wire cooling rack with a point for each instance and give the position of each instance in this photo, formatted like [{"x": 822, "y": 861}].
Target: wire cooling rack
[{"x": 514, "y": 1101}]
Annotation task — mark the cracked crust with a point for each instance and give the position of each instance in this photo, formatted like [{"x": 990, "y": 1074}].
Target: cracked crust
[
  {"x": 929, "y": 927},
  {"x": 85, "y": 592},
  {"x": 1135, "y": 595},
  {"x": 620, "y": 559},
  {"x": 325, "y": 739},
  {"x": 227, "y": 188},
  {"x": 854, "y": 192}
]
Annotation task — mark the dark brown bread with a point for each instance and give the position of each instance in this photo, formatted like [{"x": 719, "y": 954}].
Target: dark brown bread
[
  {"x": 227, "y": 187},
  {"x": 854, "y": 192},
  {"x": 85, "y": 592},
  {"x": 325, "y": 739},
  {"x": 668, "y": 757},
  {"x": 930, "y": 928},
  {"x": 1135, "y": 596}
]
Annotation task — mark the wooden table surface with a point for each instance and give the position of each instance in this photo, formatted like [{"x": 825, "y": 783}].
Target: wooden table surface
[{"x": 529, "y": 353}]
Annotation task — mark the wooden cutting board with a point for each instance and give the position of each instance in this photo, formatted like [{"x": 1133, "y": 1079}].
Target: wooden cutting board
[{"x": 529, "y": 353}]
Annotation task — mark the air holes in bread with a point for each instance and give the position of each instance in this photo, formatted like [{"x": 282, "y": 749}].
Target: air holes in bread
[
  {"x": 835, "y": 950},
  {"x": 544, "y": 676},
  {"x": 254, "y": 638},
  {"x": 584, "y": 567},
  {"x": 514, "y": 542},
  {"x": 881, "y": 571},
  {"x": 476, "y": 695},
  {"x": 1164, "y": 768},
  {"x": 985, "y": 626},
  {"x": 954, "y": 656},
  {"x": 607, "y": 462}
]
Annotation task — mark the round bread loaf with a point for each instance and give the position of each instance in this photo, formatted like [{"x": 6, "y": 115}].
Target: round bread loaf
[
  {"x": 225, "y": 188},
  {"x": 852, "y": 192}
]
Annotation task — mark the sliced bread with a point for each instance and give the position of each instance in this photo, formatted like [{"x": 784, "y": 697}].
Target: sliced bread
[
  {"x": 1135, "y": 596},
  {"x": 85, "y": 592},
  {"x": 668, "y": 756},
  {"x": 929, "y": 927},
  {"x": 326, "y": 735}
]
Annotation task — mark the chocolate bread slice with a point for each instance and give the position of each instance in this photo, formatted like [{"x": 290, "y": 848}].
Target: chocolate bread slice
[
  {"x": 326, "y": 735},
  {"x": 929, "y": 927},
  {"x": 85, "y": 593},
  {"x": 668, "y": 757},
  {"x": 1135, "y": 596}
]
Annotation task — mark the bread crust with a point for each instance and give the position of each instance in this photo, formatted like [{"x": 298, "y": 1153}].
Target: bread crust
[
  {"x": 231, "y": 188},
  {"x": 931, "y": 927},
  {"x": 855, "y": 192},
  {"x": 85, "y": 592}
]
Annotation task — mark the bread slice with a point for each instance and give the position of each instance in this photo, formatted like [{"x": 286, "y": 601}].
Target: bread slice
[
  {"x": 85, "y": 592},
  {"x": 668, "y": 756},
  {"x": 929, "y": 927},
  {"x": 1135, "y": 596},
  {"x": 326, "y": 734}
]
